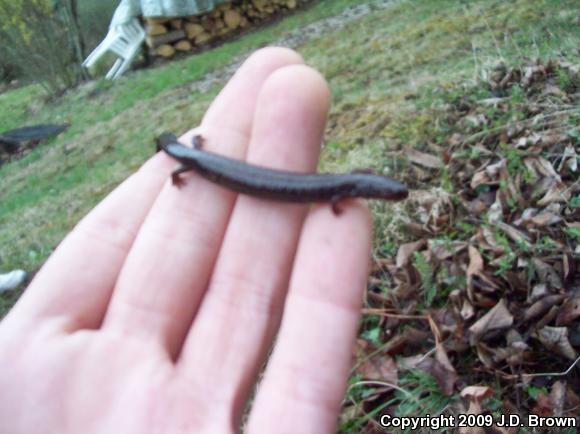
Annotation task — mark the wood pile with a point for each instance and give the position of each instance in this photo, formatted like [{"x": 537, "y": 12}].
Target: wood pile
[{"x": 166, "y": 36}]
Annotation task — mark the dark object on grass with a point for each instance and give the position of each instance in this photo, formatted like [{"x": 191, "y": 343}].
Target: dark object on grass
[
  {"x": 266, "y": 183},
  {"x": 8, "y": 145},
  {"x": 10, "y": 141}
]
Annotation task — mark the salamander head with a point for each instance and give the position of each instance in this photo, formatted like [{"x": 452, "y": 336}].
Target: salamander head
[{"x": 168, "y": 143}]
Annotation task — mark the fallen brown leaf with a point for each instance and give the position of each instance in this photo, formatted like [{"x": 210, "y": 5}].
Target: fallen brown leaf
[
  {"x": 491, "y": 357},
  {"x": 556, "y": 339},
  {"x": 542, "y": 306},
  {"x": 570, "y": 311},
  {"x": 514, "y": 234},
  {"x": 475, "y": 262},
  {"x": 498, "y": 318},
  {"x": 558, "y": 397},
  {"x": 476, "y": 393},
  {"x": 558, "y": 192},
  {"x": 425, "y": 160},
  {"x": 379, "y": 368},
  {"x": 441, "y": 369},
  {"x": 443, "y": 249},
  {"x": 406, "y": 251},
  {"x": 547, "y": 273},
  {"x": 546, "y": 218}
]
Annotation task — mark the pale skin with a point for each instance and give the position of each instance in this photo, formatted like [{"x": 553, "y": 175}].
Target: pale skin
[{"x": 159, "y": 310}]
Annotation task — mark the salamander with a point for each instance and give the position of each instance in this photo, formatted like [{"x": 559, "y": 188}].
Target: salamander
[{"x": 279, "y": 185}]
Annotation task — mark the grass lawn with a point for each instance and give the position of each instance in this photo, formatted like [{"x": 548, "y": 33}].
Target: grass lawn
[{"x": 389, "y": 71}]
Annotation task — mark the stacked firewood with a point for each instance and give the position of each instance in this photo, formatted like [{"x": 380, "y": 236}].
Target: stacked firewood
[{"x": 166, "y": 36}]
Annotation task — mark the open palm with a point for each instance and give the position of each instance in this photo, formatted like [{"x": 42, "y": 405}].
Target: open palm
[{"x": 158, "y": 311}]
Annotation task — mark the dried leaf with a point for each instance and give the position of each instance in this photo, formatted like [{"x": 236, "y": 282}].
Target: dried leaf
[
  {"x": 517, "y": 348},
  {"x": 467, "y": 311},
  {"x": 490, "y": 241},
  {"x": 518, "y": 236},
  {"x": 495, "y": 170},
  {"x": 527, "y": 215},
  {"x": 379, "y": 368},
  {"x": 495, "y": 213},
  {"x": 491, "y": 357},
  {"x": 556, "y": 339},
  {"x": 524, "y": 142},
  {"x": 483, "y": 282},
  {"x": 476, "y": 206},
  {"x": 408, "y": 363},
  {"x": 541, "y": 167},
  {"x": 497, "y": 318},
  {"x": 406, "y": 251},
  {"x": 558, "y": 398},
  {"x": 434, "y": 208},
  {"x": 558, "y": 192},
  {"x": 532, "y": 74},
  {"x": 548, "y": 317},
  {"x": 482, "y": 178},
  {"x": 475, "y": 262},
  {"x": 425, "y": 160},
  {"x": 417, "y": 230},
  {"x": 546, "y": 218},
  {"x": 476, "y": 393},
  {"x": 542, "y": 306},
  {"x": 408, "y": 339},
  {"x": 546, "y": 169},
  {"x": 443, "y": 249},
  {"x": 551, "y": 89},
  {"x": 441, "y": 370},
  {"x": 570, "y": 157},
  {"x": 547, "y": 274},
  {"x": 475, "y": 268},
  {"x": 570, "y": 312},
  {"x": 538, "y": 291}
]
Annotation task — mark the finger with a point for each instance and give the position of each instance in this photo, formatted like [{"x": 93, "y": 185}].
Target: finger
[
  {"x": 75, "y": 283},
  {"x": 227, "y": 124},
  {"x": 235, "y": 105},
  {"x": 240, "y": 312},
  {"x": 305, "y": 380},
  {"x": 167, "y": 270}
]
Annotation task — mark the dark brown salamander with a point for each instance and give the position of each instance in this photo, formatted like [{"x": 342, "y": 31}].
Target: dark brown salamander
[{"x": 276, "y": 184}]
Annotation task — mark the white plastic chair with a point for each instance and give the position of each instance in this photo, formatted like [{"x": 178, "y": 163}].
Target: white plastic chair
[
  {"x": 124, "y": 40},
  {"x": 12, "y": 280}
]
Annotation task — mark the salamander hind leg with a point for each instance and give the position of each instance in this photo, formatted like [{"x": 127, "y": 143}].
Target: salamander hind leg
[
  {"x": 175, "y": 178},
  {"x": 197, "y": 141},
  {"x": 335, "y": 201}
]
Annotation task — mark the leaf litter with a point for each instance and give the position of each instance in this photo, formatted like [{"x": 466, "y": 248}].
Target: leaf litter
[{"x": 484, "y": 295}]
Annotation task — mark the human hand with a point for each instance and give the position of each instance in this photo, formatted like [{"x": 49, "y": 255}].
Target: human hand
[{"x": 158, "y": 311}]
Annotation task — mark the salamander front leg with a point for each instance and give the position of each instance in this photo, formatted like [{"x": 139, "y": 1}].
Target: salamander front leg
[
  {"x": 197, "y": 141},
  {"x": 175, "y": 178},
  {"x": 335, "y": 201}
]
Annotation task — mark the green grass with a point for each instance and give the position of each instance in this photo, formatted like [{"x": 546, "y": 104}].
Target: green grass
[{"x": 386, "y": 71}]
